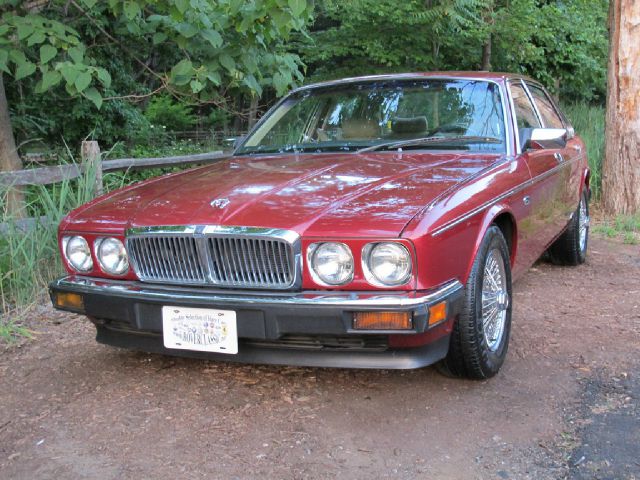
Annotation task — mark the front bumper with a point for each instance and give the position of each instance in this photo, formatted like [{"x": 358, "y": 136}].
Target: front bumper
[{"x": 302, "y": 328}]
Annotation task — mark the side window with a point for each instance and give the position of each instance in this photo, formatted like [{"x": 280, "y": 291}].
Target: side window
[
  {"x": 547, "y": 111},
  {"x": 525, "y": 114}
]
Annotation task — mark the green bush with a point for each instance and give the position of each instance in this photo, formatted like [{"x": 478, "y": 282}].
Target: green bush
[
  {"x": 163, "y": 111},
  {"x": 588, "y": 121}
]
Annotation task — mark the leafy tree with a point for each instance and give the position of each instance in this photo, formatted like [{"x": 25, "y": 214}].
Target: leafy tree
[
  {"x": 214, "y": 47},
  {"x": 562, "y": 43},
  {"x": 363, "y": 36}
]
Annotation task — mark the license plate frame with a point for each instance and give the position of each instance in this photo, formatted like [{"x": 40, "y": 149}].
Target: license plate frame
[{"x": 200, "y": 329}]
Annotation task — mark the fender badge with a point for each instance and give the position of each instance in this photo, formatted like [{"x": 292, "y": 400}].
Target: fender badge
[{"x": 219, "y": 202}]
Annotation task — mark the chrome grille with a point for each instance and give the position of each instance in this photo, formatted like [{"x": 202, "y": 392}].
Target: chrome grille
[
  {"x": 241, "y": 257},
  {"x": 250, "y": 262},
  {"x": 167, "y": 258}
]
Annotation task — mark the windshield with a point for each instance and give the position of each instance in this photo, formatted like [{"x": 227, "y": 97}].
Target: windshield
[{"x": 459, "y": 114}]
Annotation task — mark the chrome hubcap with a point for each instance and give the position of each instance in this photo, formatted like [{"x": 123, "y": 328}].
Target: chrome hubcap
[
  {"x": 583, "y": 224},
  {"x": 495, "y": 300}
]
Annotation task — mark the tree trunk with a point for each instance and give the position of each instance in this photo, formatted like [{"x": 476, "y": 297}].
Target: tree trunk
[
  {"x": 486, "y": 55},
  {"x": 9, "y": 158},
  {"x": 621, "y": 167}
]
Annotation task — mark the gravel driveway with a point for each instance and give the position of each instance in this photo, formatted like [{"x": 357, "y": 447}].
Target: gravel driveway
[{"x": 565, "y": 404}]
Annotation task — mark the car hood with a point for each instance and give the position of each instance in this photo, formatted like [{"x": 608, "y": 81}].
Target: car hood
[{"x": 342, "y": 195}]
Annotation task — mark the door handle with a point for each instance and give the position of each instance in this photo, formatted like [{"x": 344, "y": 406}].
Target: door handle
[{"x": 558, "y": 156}]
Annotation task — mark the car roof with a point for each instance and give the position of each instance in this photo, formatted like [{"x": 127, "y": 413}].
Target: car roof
[{"x": 477, "y": 75}]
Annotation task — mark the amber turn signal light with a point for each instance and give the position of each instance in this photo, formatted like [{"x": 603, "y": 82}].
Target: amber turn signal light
[
  {"x": 69, "y": 301},
  {"x": 437, "y": 313},
  {"x": 382, "y": 321}
]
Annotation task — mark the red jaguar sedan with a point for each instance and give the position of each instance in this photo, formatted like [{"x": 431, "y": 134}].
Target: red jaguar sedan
[{"x": 372, "y": 222}]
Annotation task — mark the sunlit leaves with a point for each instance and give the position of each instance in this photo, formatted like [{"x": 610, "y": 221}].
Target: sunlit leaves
[
  {"x": 213, "y": 37},
  {"x": 24, "y": 70},
  {"x": 82, "y": 81},
  {"x": 77, "y": 54},
  {"x": 93, "y": 95},
  {"x": 181, "y": 72},
  {"x": 49, "y": 79},
  {"x": 47, "y": 52},
  {"x": 235, "y": 44}
]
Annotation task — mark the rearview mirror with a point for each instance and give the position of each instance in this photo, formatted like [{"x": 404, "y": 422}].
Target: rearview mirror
[{"x": 540, "y": 138}]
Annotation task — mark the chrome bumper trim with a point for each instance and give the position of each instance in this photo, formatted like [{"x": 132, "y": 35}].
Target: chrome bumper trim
[{"x": 140, "y": 291}]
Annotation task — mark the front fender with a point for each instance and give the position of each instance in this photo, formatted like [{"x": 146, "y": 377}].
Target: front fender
[
  {"x": 449, "y": 253},
  {"x": 497, "y": 211}
]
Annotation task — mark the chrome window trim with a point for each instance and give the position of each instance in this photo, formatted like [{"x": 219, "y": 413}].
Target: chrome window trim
[
  {"x": 556, "y": 108},
  {"x": 510, "y": 147},
  {"x": 533, "y": 102},
  {"x": 513, "y": 109},
  {"x": 201, "y": 233}
]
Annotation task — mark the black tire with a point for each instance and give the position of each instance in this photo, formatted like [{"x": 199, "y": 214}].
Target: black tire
[
  {"x": 567, "y": 249},
  {"x": 469, "y": 354}
]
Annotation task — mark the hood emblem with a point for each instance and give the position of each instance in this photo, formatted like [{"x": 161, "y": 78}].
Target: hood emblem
[{"x": 219, "y": 202}]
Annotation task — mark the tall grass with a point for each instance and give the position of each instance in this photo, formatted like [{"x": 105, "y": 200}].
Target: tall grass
[
  {"x": 29, "y": 257},
  {"x": 588, "y": 121}
]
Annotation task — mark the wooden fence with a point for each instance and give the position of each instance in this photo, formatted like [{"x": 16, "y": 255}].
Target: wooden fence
[{"x": 92, "y": 162}]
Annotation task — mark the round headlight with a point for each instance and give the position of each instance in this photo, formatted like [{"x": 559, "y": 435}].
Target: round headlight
[
  {"x": 331, "y": 263},
  {"x": 386, "y": 264},
  {"x": 112, "y": 256},
  {"x": 78, "y": 254}
]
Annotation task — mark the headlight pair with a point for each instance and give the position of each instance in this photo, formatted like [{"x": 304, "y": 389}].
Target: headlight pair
[
  {"x": 385, "y": 264},
  {"x": 110, "y": 252}
]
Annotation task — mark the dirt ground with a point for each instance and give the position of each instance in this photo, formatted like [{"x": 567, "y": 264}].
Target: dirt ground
[{"x": 565, "y": 404}]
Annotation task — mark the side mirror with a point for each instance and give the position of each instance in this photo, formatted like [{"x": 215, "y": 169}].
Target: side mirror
[{"x": 540, "y": 138}]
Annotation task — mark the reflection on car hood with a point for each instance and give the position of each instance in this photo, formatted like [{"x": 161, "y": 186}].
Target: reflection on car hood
[{"x": 373, "y": 194}]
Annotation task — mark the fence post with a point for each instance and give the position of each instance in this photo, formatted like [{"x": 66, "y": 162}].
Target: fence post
[{"x": 92, "y": 160}]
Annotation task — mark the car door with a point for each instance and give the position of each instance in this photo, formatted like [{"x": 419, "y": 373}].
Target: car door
[
  {"x": 544, "y": 195},
  {"x": 568, "y": 156}
]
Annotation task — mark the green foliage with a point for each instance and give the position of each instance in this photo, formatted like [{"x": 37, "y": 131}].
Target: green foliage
[
  {"x": 557, "y": 42},
  {"x": 29, "y": 259},
  {"x": 163, "y": 110},
  {"x": 86, "y": 54},
  {"x": 371, "y": 36},
  {"x": 115, "y": 180},
  {"x": 235, "y": 43},
  {"x": 589, "y": 122}
]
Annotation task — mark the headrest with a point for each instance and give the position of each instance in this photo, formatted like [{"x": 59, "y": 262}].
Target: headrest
[
  {"x": 360, "y": 129},
  {"x": 409, "y": 125}
]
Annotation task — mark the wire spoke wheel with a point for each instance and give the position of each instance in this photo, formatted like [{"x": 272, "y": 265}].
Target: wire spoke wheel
[
  {"x": 495, "y": 299},
  {"x": 583, "y": 222}
]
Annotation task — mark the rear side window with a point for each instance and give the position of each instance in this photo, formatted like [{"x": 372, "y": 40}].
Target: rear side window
[
  {"x": 525, "y": 114},
  {"x": 547, "y": 111}
]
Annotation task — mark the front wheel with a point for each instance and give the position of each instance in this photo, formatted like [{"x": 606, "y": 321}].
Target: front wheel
[{"x": 480, "y": 336}]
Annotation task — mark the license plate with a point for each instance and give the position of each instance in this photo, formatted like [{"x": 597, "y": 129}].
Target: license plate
[{"x": 200, "y": 329}]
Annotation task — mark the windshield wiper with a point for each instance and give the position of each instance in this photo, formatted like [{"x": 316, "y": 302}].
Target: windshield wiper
[{"x": 427, "y": 140}]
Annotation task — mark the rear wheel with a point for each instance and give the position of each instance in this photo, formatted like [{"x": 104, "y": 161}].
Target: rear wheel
[
  {"x": 480, "y": 336},
  {"x": 571, "y": 247}
]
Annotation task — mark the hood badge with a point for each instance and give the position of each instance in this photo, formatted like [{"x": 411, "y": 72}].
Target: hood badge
[{"x": 219, "y": 202}]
